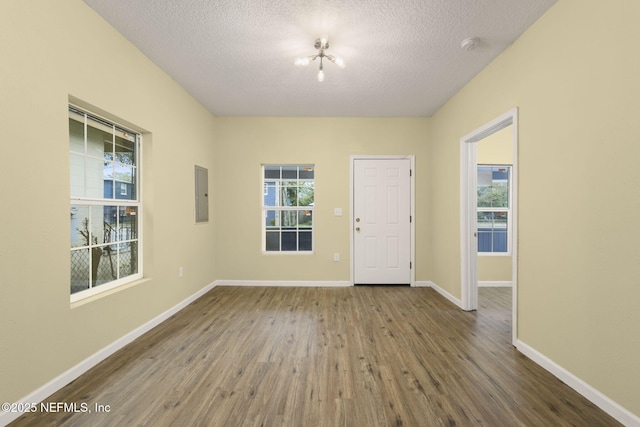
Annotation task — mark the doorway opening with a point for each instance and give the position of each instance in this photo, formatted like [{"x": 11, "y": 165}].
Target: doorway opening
[{"x": 499, "y": 223}]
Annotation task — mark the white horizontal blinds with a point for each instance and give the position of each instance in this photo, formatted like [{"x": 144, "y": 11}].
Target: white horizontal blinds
[
  {"x": 102, "y": 124},
  {"x": 103, "y": 158}
]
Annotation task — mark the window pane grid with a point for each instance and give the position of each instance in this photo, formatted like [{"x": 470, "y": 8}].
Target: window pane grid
[
  {"x": 104, "y": 202},
  {"x": 109, "y": 235},
  {"x": 287, "y": 204},
  {"x": 493, "y": 186},
  {"x": 493, "y": 209}
]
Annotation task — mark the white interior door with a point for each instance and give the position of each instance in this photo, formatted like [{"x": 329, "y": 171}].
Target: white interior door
[{"x": 382, "y": 221}]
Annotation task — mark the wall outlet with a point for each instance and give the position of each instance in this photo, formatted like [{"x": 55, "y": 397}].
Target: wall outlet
[
  {"x": 336, "y": 257},
  {"x": 180, "y": 271}
]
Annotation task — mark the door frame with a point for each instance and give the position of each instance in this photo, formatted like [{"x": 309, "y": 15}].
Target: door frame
[
  {"x": 468, "y": 218},
  {"x": 412, "y": 196}
]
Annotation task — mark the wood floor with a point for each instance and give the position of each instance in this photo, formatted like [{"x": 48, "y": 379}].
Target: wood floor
[{"x": 353, "y": 356}]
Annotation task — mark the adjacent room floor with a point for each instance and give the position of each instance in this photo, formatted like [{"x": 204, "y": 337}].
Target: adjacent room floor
[{"x": 353, "y": 356}]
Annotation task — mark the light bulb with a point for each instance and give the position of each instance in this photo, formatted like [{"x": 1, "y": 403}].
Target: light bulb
[
  {"x": 302, "y": 61},
  {"x": 323, "y": 42},
  {"x": 339, "y": 62},
  {"x": 320, "y": 76}
]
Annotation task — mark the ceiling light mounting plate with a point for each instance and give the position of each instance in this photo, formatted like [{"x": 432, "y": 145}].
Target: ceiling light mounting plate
[
  {"x": 322, "y": 43},
  {"x": 470, "y": 43}
]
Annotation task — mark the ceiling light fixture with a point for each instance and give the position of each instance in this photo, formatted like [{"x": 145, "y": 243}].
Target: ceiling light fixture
[{"x": 321, "y": 44}]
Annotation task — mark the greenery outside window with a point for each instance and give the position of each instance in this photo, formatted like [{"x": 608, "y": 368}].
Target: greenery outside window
[
  {"x": 287, "y": 208},
  {"x": 105, "y": 205},
  {"x": 494, "y": 209}
]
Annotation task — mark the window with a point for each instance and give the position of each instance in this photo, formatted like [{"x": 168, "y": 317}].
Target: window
[
  {"x": 494, "y": 209},
  {"x": 105, "y": 204},
  {"x": 287, "y": 207}
]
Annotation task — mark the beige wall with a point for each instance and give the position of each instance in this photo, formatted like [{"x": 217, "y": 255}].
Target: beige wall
[
  {"x": 247, "y": 143},
  {"x": 496, "y": 149},
  {"x": 51, "y": 51},
  {"x": 574, "y": 78},
  {"x": 494, "y": 268}
]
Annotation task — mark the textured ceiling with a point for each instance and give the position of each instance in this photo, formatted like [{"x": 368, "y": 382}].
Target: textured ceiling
[{"x": 403, "y": 56}]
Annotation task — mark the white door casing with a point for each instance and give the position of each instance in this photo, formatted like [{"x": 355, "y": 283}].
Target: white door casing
[
  {"x": 468, "y": 213},
  {"x": 382, "y": 220}
]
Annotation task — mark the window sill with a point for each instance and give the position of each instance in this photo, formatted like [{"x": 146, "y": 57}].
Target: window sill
[
  {"x": 287, "y": 253},
  {"x": 78, "y": 300}
]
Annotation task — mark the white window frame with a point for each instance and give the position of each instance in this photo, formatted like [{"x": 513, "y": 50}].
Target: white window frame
[
  {"x": 500, "y": 209},
  {"x": 279, "y": 208},
  {"x": 113, "y": 201}
]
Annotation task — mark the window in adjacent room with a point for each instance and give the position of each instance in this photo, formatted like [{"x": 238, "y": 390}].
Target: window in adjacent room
[
  {"x": 287, "y": 208},
  {"x": 105, "y": 204},
  {"x": 494, "y": 209}
]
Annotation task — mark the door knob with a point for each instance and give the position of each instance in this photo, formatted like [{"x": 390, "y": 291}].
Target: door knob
[
  {"x": 357, "y": 219},
  {"x": 357, "y": 228}
]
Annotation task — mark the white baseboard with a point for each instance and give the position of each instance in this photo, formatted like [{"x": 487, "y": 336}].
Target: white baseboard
[
  {"x": 422, "y": 284},
  {"x": 66, "y": 377},
  {"x": 495, "y": 284},
  {"x": 441, "y": 291},
  {"x": 302, "y": 283},
  {"x": 596, "y": 397}
]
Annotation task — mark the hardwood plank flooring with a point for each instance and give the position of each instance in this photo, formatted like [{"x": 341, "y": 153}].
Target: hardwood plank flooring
[{"x": 353, "y": 356}]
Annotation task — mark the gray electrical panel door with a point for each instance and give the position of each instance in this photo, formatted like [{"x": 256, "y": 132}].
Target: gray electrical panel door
[{"x": 202, "y": 194}]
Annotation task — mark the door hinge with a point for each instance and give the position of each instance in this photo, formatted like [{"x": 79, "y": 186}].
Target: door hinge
[
  {"x": 410, "y": 265},
  {"x": 410, "y": 172},
  {"x": 410, "y": 219}
]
